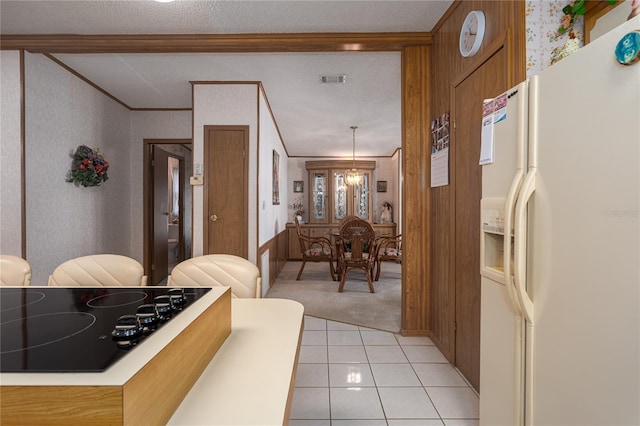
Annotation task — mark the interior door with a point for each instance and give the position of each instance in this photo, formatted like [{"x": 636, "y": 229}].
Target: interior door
[
  {"x": 226, "y": 172},
  {"x": 159, "y": 246},
  {"x": 489, "y": 80}
]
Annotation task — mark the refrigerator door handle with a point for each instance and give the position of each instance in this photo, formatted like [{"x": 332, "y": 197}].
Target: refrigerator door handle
[
  {"x": 509, "y": 207},
  {"x": 520, "y": 245}
]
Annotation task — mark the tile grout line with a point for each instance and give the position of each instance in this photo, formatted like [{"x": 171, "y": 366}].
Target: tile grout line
[
  {"x": 373, "y": 377},
  {"x": 368, "y": 365}
]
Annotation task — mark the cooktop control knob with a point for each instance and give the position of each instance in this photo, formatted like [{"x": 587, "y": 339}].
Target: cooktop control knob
[
  {"x": 148, "y": 316},
  {"x": 178, "y": 298},
  {"x": 127, "y": 327},
  {"x": 163, "y": 306}
]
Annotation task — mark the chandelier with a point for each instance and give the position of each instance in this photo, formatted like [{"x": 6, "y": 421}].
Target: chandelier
[{"x": 353, "y": 177}]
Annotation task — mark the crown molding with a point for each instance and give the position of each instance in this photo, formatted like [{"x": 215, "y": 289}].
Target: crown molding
[{"x": 213, "y": 43}]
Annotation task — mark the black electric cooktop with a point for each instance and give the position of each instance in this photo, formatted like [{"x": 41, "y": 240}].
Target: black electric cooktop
[{"x": 82, "y": 329}]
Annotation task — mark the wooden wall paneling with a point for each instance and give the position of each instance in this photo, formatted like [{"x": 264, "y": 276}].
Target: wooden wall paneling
[
  {"x": 273, "y": 260},
  {"x": 444, "y": 62},
  {"x": 447, "y": 66},
  {"x": 416, "y": 201},
  {"x": 486, "y": 80},
  {"x": 282, "y": 252},
  {"x": 277, "y": 247},
  {"x": 425, "y": 186}
]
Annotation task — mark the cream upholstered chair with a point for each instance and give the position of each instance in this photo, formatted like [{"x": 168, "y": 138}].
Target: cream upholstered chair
[
  {"x": 106, "y": 270},
  {"x": 14, "y": 271},
  {"x": 213, "y": 270}
]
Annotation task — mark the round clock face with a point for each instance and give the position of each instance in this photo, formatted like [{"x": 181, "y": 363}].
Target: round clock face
[{"x": 472, "y": 33}]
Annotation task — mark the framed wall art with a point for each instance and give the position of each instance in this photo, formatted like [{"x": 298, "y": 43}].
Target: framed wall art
[
  {"x": 298, "y": 186},
  {"x": 382, "y": 186},
  {"x": 276, "y": 177}
]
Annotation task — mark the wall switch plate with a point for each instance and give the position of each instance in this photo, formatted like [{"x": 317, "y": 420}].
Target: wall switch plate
[{"x": 196, "y": 180}]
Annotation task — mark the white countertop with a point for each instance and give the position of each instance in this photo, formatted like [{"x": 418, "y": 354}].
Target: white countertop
[{"x": 248, "y": 380}]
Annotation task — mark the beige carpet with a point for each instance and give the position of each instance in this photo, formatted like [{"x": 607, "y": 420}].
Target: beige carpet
[{"x": 355, "y": 305}]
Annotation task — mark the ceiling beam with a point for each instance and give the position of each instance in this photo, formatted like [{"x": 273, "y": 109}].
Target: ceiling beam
[{"x": 214, "y": 43}]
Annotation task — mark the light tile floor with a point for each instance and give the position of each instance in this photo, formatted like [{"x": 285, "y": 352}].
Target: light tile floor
[{"x": 356, "y": 376}]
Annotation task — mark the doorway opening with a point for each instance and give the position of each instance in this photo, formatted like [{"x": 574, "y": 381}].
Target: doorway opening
[{"x": 168, "y": 206}]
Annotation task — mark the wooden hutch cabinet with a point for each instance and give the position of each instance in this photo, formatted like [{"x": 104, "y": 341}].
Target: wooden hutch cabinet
[{"x": 331, "y": 199}]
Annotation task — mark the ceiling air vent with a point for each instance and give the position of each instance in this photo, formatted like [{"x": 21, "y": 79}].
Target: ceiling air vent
[{"x": 336, "y": 78}]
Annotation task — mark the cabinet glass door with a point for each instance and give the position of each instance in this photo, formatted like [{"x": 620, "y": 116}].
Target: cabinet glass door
[
  {"x": 361, "y": 198},
  {"x": 340, "y": 199},
  {"x": 319, "y": 197}
]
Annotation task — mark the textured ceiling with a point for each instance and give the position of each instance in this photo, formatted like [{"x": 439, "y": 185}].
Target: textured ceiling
[{"x": 314, "y": 118}]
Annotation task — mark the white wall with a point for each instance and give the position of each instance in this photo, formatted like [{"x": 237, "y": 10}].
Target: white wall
[
  {"x": 10, "y": 154},
  {"x": 297, "y": 171},
  {"x": 272, "y": 218},
  {"x": 63, "y": 220},
  {"x": 225, "y": 104},
  {"x": 242, "y": 105},
  {"x": 386, "y": 169},
  {"x": 62, "y": 112}
]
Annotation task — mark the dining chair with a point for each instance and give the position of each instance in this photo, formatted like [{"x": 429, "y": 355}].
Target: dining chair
[
  {"x": 389, "y": 249},
  {"x": 346, "y": 220},
  {"x": 315, "y": 249},
  {"x": 99, "y": 270},
  {"x": 214, "y": 270},
  {"x": 356, "y": 250},
  {"x": 14, "y": 271}
]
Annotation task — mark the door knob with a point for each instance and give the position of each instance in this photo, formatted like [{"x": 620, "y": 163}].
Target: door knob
[{"x": 213, "y": 218}]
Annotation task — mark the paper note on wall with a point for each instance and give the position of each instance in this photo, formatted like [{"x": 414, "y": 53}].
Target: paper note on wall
[
  {"x": 440, "y": 168},
  {"x": 486, "y": 138}
]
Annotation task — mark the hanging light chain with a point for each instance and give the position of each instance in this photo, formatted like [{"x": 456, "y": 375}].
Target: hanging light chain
[
  {"x": 353, "y": 166},
  {"x": 353, "y": 177}
]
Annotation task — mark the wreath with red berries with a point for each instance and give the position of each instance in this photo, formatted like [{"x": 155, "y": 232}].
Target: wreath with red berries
[{"x": 89, "y": 167}]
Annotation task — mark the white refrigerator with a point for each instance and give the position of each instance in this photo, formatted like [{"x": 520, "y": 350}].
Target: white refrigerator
[{"x": 560, "y": 336}]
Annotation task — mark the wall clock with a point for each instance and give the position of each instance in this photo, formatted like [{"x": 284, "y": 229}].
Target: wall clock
[{"x": 472, "y": 33}]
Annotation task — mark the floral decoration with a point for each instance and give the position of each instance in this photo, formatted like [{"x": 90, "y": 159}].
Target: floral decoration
[
  {"x": 297, "y": 207},
  {"x": 89, "y": 167},
  {"x": 572, "y": 11},
  {"x": 561, "y": 52}
]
